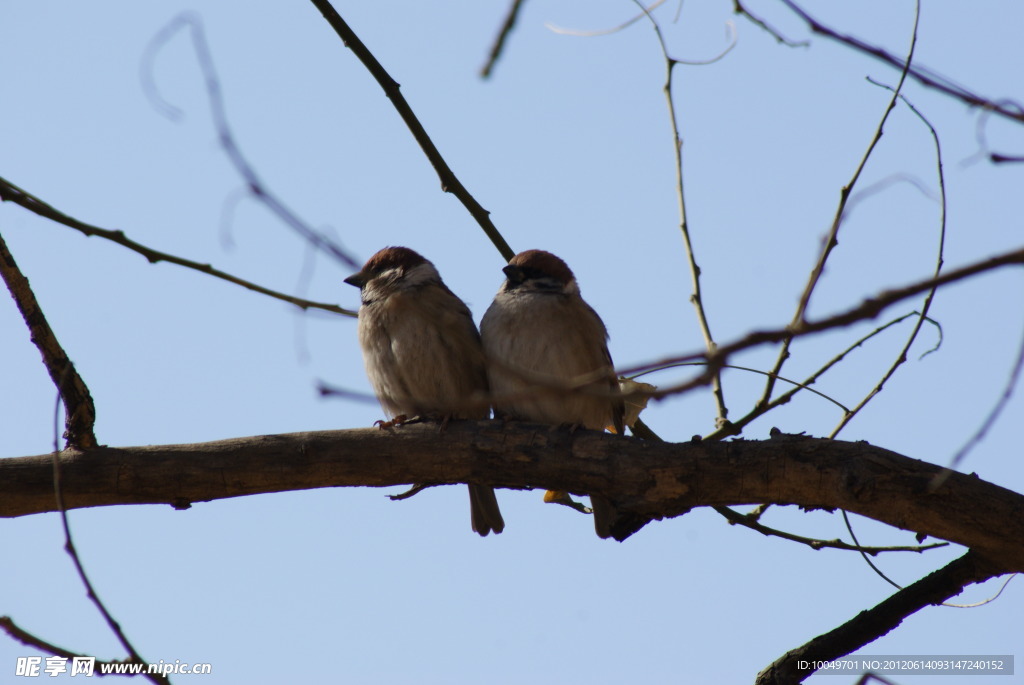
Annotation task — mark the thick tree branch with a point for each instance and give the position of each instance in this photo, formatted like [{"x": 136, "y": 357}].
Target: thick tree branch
[
  {"x": 644, "y": 479},
  {"x": 79, "y": 410}
]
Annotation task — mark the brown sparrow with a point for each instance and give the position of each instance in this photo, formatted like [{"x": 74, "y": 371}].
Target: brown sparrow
[
  {"x": 422, "y": 352},
  {"x": 539, "y": 334}
]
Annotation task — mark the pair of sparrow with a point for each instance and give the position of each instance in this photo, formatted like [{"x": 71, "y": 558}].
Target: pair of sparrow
[{"x": 425, "y": 358}]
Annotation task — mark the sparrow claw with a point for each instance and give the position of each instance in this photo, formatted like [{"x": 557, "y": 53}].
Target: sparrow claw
[{"x": 399, "y": 420}]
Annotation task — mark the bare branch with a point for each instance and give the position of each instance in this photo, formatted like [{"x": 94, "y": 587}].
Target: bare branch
[
  {"x": 622, "y": 26},
  {"x": 643, "y": 478},
  {"x": 12, "y": 193},
  {"x": 739, "y": 8},
  {"x": 751, "y": 522},
  {"x": 69, "y": 546},
  {"x": 867, "y": 309},
  {"x": 696, "y": 298},
  {"x": 872, "y": 624},
  {"x": 1006, "y": 108},
  {"x": 1000, "y": 404},
  {"x": 449, "y": 182},
  {"x": 736, "y": 427},
  {"x": 831, "y": 240},
  {"x": 939, "y": 261},
  {"x": 227, "y": 139},
  {"x": 79, "y": 410},
  {"x": 499, "y": 42},
  {"x": 26, "y": 638}
]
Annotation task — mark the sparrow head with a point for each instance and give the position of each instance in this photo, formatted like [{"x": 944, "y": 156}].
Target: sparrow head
[
  {"x": 539, "y": 271},
  {"x": 393, "y": 269}
]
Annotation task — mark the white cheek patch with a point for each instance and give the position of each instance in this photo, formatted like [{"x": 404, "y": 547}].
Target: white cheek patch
[{"x": 419, "y": 275}]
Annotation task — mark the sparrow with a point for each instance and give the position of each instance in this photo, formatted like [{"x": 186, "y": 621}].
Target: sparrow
[
  {"x": 422, "y": 352},
  {"x": 540, "y": 329}
]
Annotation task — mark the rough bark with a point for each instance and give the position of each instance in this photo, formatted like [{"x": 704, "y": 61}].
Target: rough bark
[{"x": 644, "y": 478}]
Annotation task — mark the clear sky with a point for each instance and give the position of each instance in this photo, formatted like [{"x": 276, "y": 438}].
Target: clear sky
[{"x": 568, "y": 146}]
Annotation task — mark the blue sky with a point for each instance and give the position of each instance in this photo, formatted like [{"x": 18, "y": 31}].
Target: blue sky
[{"x": 568, "y": 146}]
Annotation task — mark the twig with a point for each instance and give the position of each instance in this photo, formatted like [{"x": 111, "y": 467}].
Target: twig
[
  {"x": 449, "y": 182},
  {"x": 1003, "y": 107},
  {"x": 799, "y": 386},
  {"x": 739, "y": 8},
  {"x": 604, "y": 32},
  {"x": 869, "y": 308},
  {"x": 736, "y": 427},
  {"x": 997, "y": 158},
  {"x": 752, "y": 522},
  {"x": 1000, "y": 405},
  {"x": 748, "y": 521},
  {"x": 872, "y": 624},
  {"x": 12, "y": 193},
  {"x": 878, "y": 571},
  {"x": 499, "y": 43},
  {"x": 79, "y": 409},
  {"x": 646, "y": 11},
  {"x": 831, "y": 240},
  {"x": 696, "y": 298},
  {"x": 26, "y": 638},
  {"x": 231, "y": 148},
  {"x": 926, "y": 306},
  {"x": 69, "y": 547}
]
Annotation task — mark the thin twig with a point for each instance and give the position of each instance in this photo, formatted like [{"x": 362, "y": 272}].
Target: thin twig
[
  {"x": 449, "y": 182},
  {"x": 69, "y": 547},
  {"x": 12, "y": 193},
  {"x": 752, "y": 522},
  {"x": 831, "y": 240},
  {"x": 739, "y": 8},
  {"x": 736, "y": 518},
  {"x": 26, "y": 638},
  {"x": 604, "y": 32},
  {"x": 79, "y": 409},
  {"x": 218, "y": 111},
  {"x": 736, "y": 427},
  {"x": 696, "y": 297},
  {"x": 871, "y": 624},
  {"x": 798, "y": 384},
  {"x": 987, "y": 600},
  {"x": 878, "y": 571},
  {"x": 730, "y": 29},
  {"x": 499, "y": 43},
  {"x": 939, "y": 261},
  {"x": 869, "y": 308},
  {"x": 1000, "y": 405},
  {"x": 926, "y": 77}
]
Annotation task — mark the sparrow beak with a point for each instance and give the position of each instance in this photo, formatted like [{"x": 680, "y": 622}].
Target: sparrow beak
[
  {"x": 357, "y": 279},
  {"x": 514, "y": 274}
]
